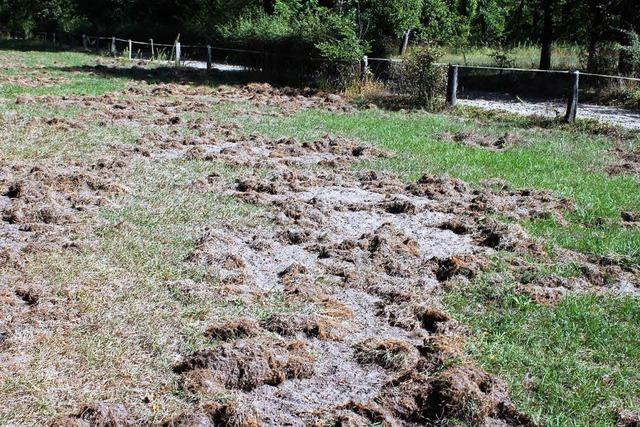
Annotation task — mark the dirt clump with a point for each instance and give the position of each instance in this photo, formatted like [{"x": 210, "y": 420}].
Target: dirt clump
[
  {"x": 101, "y": 414},
  {"x": 233, "y": 329},
  {"x": 250, "y": 363},
  {"x": 630, "y": 216},
  {"x": 447, "y": 268},
  {"x": 289, "y": 325},
  {"x": 478, "y": 140},
  {"x": 233, "y": 412},
  {"x": 392, "y": 354},
  {"x": 627, "y": 161},
  {"x": 628, "y": 418}
]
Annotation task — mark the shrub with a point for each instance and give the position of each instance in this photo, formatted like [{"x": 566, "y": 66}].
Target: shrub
[
  {"x": 631, "y": 54},
  {"x": 503, "y": 58},
  {"x": 422, "y": 79}
]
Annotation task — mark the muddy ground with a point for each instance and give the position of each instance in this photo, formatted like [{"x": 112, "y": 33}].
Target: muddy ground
[{"x": 358, "y": 260}]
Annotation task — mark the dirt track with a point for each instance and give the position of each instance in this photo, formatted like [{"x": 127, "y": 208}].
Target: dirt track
[{"x": 491, "y": 101}]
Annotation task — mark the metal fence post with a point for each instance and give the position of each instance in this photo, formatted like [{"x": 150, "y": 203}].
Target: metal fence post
[
  {"x": 208, "y": 58},
  {"x": 452, "y": 86},
  {"x": 152, "y": 52},
  {"x": 572, "y": 106},
  {"x": 177, "y": 54},
  {"x": 364, "y": 67},
  {"x": 130, "y": 49},
  {"x": 113, "y": 46}
]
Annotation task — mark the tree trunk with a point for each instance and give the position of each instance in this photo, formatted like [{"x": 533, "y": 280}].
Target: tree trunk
[
  {"x": 269, "y": 6},
  {"x": 594, "y": 36},
  {"x": 547, "y": 35}
]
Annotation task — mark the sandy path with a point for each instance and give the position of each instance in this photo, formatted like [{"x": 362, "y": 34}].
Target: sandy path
[{"x": 627, "y": 119}]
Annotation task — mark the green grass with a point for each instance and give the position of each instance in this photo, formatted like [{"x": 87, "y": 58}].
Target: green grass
[
  {"x": 573, "y": 364},
  {"x": 563, "y": 57},
  {"x": 56, "y": 64}
]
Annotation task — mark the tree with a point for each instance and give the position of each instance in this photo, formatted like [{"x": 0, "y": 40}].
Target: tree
[{"x": 547, "y": 35}]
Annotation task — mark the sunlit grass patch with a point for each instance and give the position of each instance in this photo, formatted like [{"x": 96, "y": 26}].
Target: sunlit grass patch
[{"x": 572, "y": 364}]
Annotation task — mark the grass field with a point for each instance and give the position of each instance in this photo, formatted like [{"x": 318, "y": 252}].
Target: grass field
[
  {"x": 570, "y": 363},
  {"x": 563, "y": 57}
]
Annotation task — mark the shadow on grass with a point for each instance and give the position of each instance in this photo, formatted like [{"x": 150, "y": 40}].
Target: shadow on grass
[
  {"x": 168, "y": 74},
  {"x": 32, "y": 45}
]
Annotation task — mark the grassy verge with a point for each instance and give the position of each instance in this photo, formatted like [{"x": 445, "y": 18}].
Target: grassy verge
[{"x": 573, "y": 364}]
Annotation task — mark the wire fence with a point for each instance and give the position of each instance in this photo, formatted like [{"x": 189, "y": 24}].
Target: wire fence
[{"x": 462, "y": 81}]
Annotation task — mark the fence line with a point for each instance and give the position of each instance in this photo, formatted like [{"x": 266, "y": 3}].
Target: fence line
[{"x": 452, "y": 79}]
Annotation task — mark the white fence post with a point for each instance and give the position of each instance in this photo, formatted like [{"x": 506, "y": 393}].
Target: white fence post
[
  {"x": 152, "y": 52},
  {"x": 130, "y": 49},
  {"x": 177, "y": 54},
  {"x": 364, "y": 67},
  {"x": 113, "y": 46}
]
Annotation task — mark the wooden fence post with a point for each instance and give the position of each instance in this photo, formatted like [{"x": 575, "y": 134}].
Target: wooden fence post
[
  {"x": 572, "y": 106},
  {"x": 208, "y": 58},
  {"x": 177, "y": 54},
  {"x": 364, "y": 67},
  {"x": 113, "y": 46},
  {"x": 452, "y": 86},
  {"x": 84, "y": 41},
  {"x": 130, "y": 49},
  {"x": 152, "y": 52}
]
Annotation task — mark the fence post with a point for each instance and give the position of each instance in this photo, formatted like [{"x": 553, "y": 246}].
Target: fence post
[
  {"x": 572, "y": 106},
  {"x": 130, "y": 49},
  {"x": 405, "y": 42},
  {"x": 84, "y": 41},
  {"x": 113, "y": 46},
  {"x": 452, "y": 86},
  {"x": 177, "y": 54},
  {"x": 54, "y": 39},
  {"x": 208, "y": 58},
  {"x": 364, "y": 67},
  {"x": 152, "y": 52}
]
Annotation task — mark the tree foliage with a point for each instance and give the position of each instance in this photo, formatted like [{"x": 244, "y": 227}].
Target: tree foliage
[{"x": 338, "y": 28}]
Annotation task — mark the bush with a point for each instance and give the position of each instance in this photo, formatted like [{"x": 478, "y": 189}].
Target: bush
[
  {"x": 299, "y": 29},
  {"x": 503, "y": 58},
  {"x": 422, "y": 79},
  {"x": 631, "y": 54}
]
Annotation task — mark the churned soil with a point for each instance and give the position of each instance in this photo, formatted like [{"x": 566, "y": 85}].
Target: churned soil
[{"x": 359, "y": 261}]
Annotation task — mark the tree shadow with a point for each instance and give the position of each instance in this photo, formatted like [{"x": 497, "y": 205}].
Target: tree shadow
[
  {"x": 32, "y": 45},
  {"x": 168, "y": 74}
]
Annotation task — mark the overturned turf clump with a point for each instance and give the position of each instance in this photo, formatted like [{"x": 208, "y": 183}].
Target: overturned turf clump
[
  {"x": 392, "y": 354},
  {"x": 289, "y": 325},
  {"x": 472, "y": 395},
  {"x": 233, "y": 329},
  {"x": 448, "y": 268},
  {"x": 100, "y": 414},
  {"x": 247, "y": 364},
  {"x": 233, "y": 412}
]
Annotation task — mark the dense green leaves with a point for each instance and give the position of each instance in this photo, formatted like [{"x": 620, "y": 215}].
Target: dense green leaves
[{"x": 342, "y": 29}]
